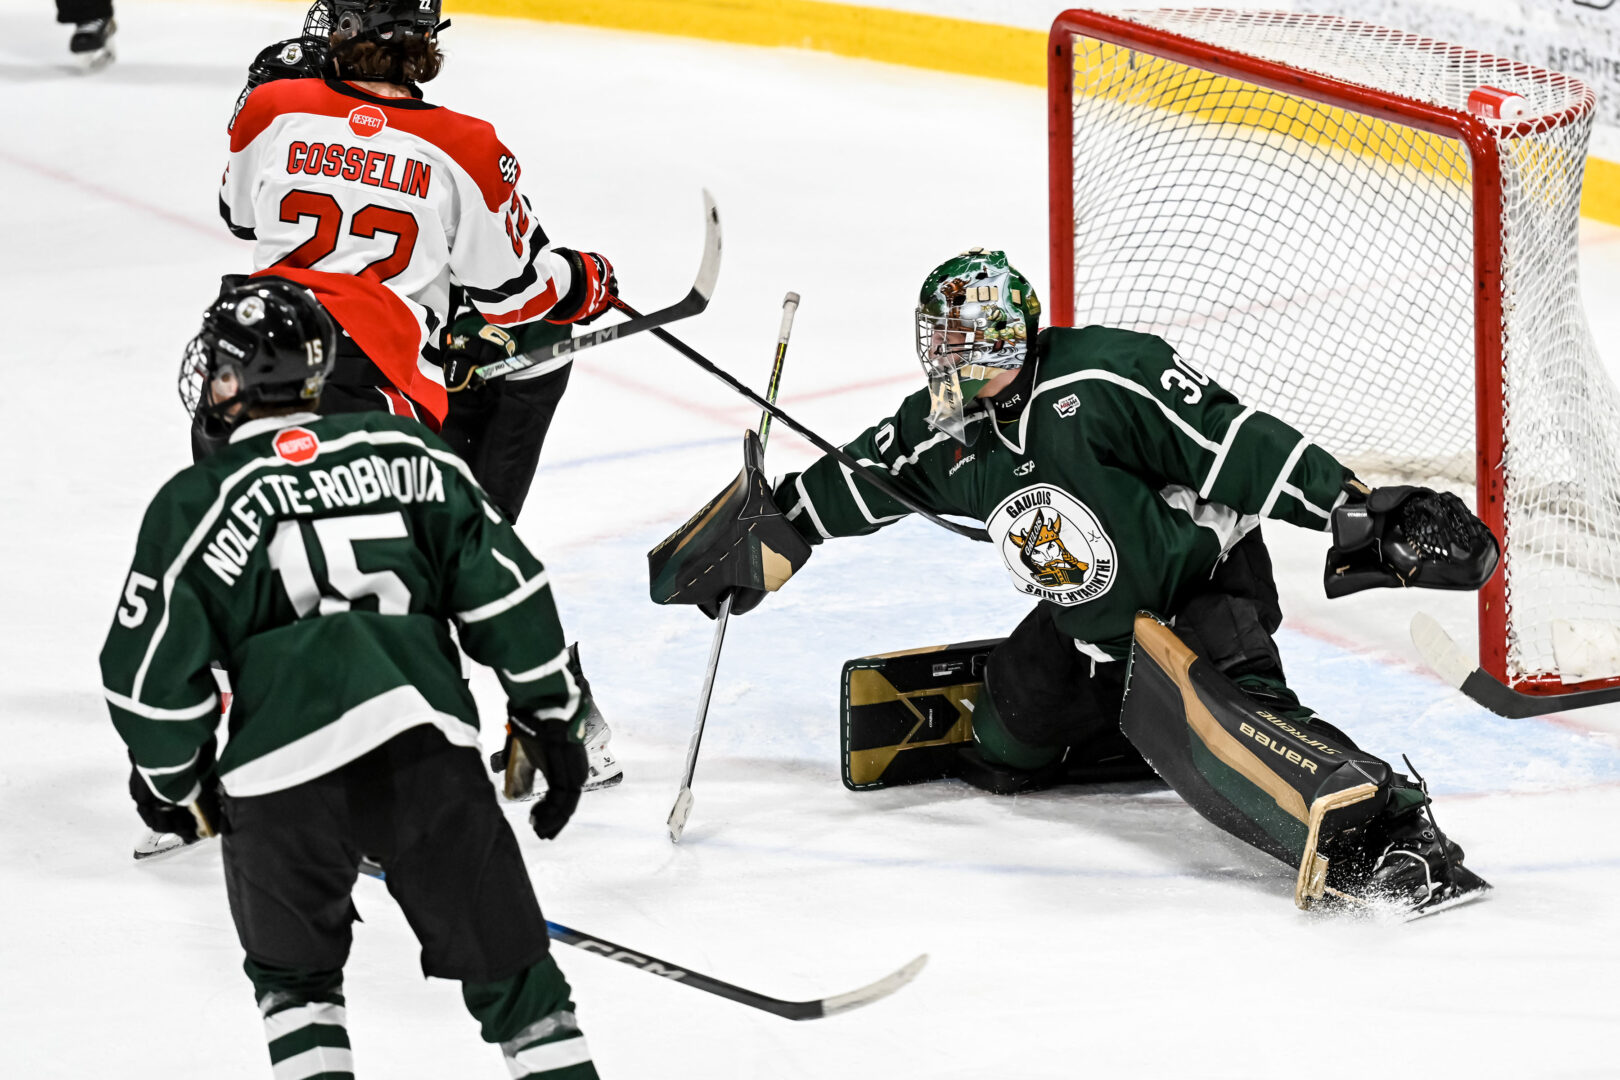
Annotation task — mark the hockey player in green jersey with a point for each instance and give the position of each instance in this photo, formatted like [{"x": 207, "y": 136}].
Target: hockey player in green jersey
[
  {"x": 1124, "y": 491},
  {"x": 321, "y": 561}
]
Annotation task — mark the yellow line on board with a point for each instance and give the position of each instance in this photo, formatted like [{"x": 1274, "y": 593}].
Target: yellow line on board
[{"x": 934, "y": 42}]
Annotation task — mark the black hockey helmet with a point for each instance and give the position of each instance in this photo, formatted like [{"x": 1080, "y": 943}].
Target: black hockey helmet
[
  {"x": 373, "y": 20},
  {"x": 296, "y": 58},
  {"x": 264, "y": 341}
]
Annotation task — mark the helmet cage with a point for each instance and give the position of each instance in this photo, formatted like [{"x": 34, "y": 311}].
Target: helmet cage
[
  {"x": 373, "y": 20},
  {"x": 280, "y": 354}
]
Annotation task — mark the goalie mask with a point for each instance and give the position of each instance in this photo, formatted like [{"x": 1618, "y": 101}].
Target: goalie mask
[
  {"x": 264, "y": 341},
  {"x": 975, "y": 319}
]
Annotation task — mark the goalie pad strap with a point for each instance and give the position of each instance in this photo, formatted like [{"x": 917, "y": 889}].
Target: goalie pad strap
[{"x": 1279, "y": 784}]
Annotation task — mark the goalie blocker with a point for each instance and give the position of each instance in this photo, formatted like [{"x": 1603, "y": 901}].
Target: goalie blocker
[{"x": 738, "y": 543}]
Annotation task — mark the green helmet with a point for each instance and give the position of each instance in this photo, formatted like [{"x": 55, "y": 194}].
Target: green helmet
[{"x": 975, "y": 319}]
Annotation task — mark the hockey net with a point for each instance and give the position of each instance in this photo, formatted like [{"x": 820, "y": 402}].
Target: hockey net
[{"x": 1305, "y": 206}]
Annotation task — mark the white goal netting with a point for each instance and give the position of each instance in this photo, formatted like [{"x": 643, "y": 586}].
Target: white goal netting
[{"x": 1319, "y": 259}]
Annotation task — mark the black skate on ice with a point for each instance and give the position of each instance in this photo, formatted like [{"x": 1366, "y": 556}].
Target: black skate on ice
[
  {"x": 92, "y": 43},
  {"x": 1422, "y": 870}
]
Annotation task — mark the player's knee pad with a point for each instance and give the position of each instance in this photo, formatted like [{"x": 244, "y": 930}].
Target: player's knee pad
[{"x": 1281, "y": 785}]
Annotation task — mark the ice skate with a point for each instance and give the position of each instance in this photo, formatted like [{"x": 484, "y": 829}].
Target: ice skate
[{"x": 92, "y": 43}]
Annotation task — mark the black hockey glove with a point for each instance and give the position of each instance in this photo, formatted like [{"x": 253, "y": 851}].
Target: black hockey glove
[
  {"x": 162, "y": 816},
  {"x": 738, "y": 543},
  {"x": 470, "y": 343},
  {"x": 1393, "y": 537},
  {"x": 557, "y": 751}
]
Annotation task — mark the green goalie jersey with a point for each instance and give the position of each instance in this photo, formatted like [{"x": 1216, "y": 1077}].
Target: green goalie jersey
[
  {"x": 320, "y": 561},
  {"x": 1111, "y": 476}
]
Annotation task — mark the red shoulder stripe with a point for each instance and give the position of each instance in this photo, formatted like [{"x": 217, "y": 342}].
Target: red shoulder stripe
[{"x": 470, "y": 142}]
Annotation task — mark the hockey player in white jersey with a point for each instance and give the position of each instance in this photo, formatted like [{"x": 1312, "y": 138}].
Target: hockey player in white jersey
[{"x": 393, "y": 211}]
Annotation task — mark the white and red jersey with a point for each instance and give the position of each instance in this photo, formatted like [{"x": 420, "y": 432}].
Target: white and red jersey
[{"x": 326, "y": 177}]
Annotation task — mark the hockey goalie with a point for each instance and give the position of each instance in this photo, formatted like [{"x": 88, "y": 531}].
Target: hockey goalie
[{"x": 1125, "y": 492}]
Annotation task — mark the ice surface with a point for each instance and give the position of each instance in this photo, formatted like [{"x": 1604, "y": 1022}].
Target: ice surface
[{"x": 1107, "y": 934}]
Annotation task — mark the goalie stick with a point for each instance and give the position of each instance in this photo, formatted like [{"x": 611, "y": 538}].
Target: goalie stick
[
  {"x": 811, "y": 437},
  {"x": 684, "y": 798},
  {"x": 814, "y": 1009},
  {"x": 1442, "y": 654},
  {"x": 694, "y": 302}
]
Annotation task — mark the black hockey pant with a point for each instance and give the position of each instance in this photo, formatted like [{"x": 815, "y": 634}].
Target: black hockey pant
[
  {"x": 499, "y": 429},
  {"x": 82, "y": 11},
  {"x": 1047, "y": 698},
  {"x": 427, "y": 813}
]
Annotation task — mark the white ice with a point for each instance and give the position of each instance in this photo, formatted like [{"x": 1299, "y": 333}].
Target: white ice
[{"x": 1107, "y": 933}]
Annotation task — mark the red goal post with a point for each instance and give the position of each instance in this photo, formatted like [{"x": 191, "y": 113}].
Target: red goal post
[{"x": 1198, "y": 161}]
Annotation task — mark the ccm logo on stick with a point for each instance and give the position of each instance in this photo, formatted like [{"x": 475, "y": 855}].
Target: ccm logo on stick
[
  {"x": 366, "y": 120},
  {"x": 297, "y": 445},
  {"x": 624, "y": 956}
]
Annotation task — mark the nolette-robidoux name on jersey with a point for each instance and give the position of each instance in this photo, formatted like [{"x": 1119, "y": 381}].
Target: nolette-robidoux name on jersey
[
  {"x": 1053, "y": 545},
  {"x": 274, "y": 497}
]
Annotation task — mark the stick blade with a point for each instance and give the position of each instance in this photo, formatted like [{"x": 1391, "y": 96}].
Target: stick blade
[
  {"x": 709, "y": 269},
  {"x": 1439, "y": 651},
  {"x": 679, "y": 813},
  {"x": 885, "y": 986}
]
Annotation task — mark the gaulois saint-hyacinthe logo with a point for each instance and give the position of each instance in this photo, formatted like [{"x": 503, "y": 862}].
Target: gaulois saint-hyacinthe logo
[{"x": 1054, "y": 545}]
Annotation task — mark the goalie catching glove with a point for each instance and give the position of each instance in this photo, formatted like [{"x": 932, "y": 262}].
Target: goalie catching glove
[
  {"x": 738, "y": 543},
  {"x": 1395, "y": 537}
]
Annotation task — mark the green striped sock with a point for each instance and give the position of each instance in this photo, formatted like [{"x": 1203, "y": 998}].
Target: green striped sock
[
  {"x": 308, "y": 1040},
  {"x": 551, "y": 1048}
]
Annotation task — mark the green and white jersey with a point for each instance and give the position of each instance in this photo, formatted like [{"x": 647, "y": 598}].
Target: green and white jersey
[
  {"x": 320, "y": 560},
  {"x": 1111, "y": 476}
]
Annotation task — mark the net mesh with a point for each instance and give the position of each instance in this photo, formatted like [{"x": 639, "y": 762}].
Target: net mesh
[{"x": 1319, "y": 261}]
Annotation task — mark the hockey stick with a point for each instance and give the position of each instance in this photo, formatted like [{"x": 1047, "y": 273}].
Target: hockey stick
[
  {"x": 792, "y": 1010},
  {"x": 1441, "y": 653},
  {"x": 694, "y": 302},
  {"x": 815, "y": 440},
  {"x": 683, "y": 799}
]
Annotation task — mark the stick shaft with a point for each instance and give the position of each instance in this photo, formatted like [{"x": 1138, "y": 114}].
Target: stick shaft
[
  {"x": 684, "y": 798},
  {"x": 855, "y": 467}
]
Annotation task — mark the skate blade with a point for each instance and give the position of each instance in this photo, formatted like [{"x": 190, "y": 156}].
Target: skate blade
[
  {"x": 156, "y": 845},
  {"x": 1449, "y": 903},
  {"x": 87, "y": 63},
  {"x": 602, "y": 785}
]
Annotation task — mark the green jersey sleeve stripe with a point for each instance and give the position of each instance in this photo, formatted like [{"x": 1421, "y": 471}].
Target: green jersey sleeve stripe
[
  {"x": 1299, "y": 497},
  {"x": 550, "y": 667},
  {"x": 510, "y": 600},
  {"x": 809, "y": 507},
  {"x": 152, "y": 712},
  {"x": 860, "y": 503},
  {"x": 151, "y": 784},
  {"x": 1226, "y": 448},
  {"x": 1282, "y": 477}
]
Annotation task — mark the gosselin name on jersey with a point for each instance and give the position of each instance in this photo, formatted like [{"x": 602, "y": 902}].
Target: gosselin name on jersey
[{"x": 357, "y": 163}]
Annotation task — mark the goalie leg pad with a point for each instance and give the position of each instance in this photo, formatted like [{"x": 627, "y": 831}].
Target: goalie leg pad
[{"x": 1284, "y": 787}]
